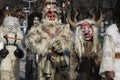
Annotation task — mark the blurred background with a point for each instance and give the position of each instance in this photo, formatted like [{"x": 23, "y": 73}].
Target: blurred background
[{"x": 26, "y": 10}]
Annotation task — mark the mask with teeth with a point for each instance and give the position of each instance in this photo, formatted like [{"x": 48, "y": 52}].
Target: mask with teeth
[{"x": 87, "y": 31}]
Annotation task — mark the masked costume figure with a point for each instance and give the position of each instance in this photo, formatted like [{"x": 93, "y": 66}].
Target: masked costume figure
[
  {"x": 87, "y": 50},
  {"x": 111, "y": 51},
  {"x": 10, "y": 53},
  {"x": 31, "y": 62},
  {"x": 111, "y": 48},
  {"x": 48, "y": 41}
]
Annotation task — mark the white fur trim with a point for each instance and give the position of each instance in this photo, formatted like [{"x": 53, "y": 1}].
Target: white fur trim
[
  {"x": 112, "y": 30},
  {"x": 106, "y": 65},
  {"x": 9, "y": 65},
  {"x": 1, "y": 45}
]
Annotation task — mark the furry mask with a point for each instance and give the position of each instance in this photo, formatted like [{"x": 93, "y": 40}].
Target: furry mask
[
  {"x": 86, "y": 29},
  {"x": 11, "y": 23}
]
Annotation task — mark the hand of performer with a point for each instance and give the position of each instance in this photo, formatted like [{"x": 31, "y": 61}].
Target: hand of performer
[
  {"x": 110, "y": 75},
  {"x": 57, "y": 46}
]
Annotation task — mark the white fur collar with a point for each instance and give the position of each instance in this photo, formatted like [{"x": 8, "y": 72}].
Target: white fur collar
[{"x": 113, "y": 31}]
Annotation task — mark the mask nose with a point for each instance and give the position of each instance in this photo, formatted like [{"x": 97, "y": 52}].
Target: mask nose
[{"x": 11, "y": 27}]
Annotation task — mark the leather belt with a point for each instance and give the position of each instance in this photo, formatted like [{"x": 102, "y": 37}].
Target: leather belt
[{"x": 117, "y": 55}]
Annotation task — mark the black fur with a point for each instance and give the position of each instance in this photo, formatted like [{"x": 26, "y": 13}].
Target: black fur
[
  {"x": 19, "y": 53},
  {"x": 3, "y": 53}
]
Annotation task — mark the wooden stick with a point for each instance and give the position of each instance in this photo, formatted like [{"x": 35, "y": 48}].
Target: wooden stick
[{"x": 12, "y": 38}]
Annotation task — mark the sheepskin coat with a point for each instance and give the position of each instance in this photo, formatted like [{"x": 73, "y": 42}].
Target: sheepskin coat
[
  {"x": 9, "y": 66},
  {"x": 41, "y": 37},
  {"x": 88, "y": 52},
  {"x": 110, "y": 48}
]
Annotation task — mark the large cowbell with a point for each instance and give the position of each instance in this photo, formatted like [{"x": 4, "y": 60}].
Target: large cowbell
[{"x": 48, "y": 67}]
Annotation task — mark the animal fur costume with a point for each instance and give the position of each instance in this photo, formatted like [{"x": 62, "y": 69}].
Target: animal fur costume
[
  {"x": 111, "y": 48},
  {"x": 9, "y": 66},
  {"x": 50, "y": 37},
  {"x": 88, "y": 51},
  {"x": 86, "y": 55},
  {"x": 110, "y": 60}
]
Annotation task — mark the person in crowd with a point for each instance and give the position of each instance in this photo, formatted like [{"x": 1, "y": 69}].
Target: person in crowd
[
  {"x": 111, "y": 48},
  {"x": 88, "y": 50},
  {"x": 10, "y": 52},
  {"x": 31, "y": 63},
  {"x": 33, "y": 19},
  {"x": 48, "y": 40}
]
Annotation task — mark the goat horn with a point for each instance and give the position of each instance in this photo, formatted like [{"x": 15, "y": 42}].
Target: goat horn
[
  {"x": 75, "y": 18},
  {"x": 98, "y": 22},
  {"x": 73, "y": 24}
]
